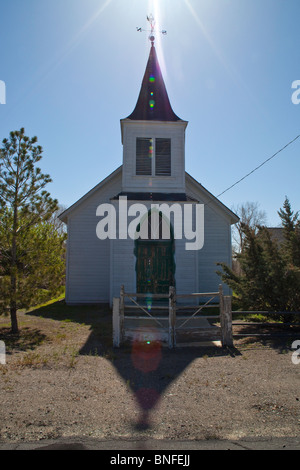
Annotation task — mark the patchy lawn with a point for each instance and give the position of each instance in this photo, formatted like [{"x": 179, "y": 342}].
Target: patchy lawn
[{"x": 55, "y": 334}]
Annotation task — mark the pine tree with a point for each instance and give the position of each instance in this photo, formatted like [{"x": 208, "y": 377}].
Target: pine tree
[
  {"x": 24, "y": 204},
  {"x": 270, "y": 271},
  {"x": 291, "y": 232}
]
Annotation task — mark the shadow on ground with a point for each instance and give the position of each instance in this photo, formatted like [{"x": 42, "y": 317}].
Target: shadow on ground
[
  {"x": 277, "y": 337},
  {"x": 27, "y": 339},
  {"x": 97, "y": 317},
  {"x": 147, "y": 367}
]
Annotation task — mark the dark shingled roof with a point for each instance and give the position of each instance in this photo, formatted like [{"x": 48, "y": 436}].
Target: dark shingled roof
[
  {"x": 139, "y": 196},
  {"x": 153, "y": 102}
]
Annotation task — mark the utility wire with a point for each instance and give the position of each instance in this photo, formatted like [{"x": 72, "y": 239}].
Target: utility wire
[{"x": 255, "y": 169}]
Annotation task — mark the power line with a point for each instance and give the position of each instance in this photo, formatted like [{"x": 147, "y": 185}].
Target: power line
[{"x": 255, "y": 169}]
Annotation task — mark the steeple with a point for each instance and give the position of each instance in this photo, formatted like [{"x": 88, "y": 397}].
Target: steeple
[
  {"x": 153, "y": 103},
  {"x": 153, "y": 137}
]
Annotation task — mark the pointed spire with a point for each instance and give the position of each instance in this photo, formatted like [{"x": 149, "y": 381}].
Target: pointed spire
[{"x": 153, "y": 103}]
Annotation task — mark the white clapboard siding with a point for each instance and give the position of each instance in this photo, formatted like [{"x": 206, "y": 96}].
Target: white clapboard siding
[
  {"x": 88, "y": 258},
  {"x": 217, "y": 238},
  {"x": 122, "y": 267},
  {"x": 96, "y": 269},
  {"x": 186, "y": 270}
]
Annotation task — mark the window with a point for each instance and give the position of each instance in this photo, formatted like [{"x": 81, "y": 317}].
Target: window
[
  {"x": 146, "y": 164},
  {"x": 163, "y": 157},
  {"x": 144, "y": 152}
]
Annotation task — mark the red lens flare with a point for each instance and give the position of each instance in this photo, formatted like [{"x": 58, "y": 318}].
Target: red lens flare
[{"x": 146, "y": 352}]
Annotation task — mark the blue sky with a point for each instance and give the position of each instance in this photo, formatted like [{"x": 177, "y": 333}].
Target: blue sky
[{"x": 73, "y": 69}]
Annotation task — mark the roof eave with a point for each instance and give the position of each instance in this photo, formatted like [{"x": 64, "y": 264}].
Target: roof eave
[
  {"x": 234, "y": 218},
  {"x": 64, "y": 215},
  {"x": 123, "y": 121}
]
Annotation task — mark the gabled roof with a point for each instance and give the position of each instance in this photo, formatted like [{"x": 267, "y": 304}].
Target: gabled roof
[
  {"x": 171, "y": 197},
  {"x": 213, "y": 200},
  {"x": 64, "y": 215},
  {"x": 153, "y": 103},
  {"x": 175, "y": 197}
]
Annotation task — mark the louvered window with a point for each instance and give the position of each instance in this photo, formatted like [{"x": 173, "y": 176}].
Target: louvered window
[
  {"x": 163, "y": 157},
  {"x": 144, "y": 153},
  {"x": 146, "y": 150}
]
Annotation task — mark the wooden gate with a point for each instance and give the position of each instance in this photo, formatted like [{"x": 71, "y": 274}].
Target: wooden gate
[{"x": 161, "y": 322}]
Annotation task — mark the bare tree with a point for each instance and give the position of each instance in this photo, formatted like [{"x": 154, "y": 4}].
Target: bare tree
[
  {"x": 56, "y": 222},
  {"x": 251, "y": 216}
]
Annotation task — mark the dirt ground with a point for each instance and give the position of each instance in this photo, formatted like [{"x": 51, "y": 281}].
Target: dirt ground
[{"x": 62, "y": 378}]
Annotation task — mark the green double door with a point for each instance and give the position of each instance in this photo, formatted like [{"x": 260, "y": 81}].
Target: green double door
[{"x": 154, "y": 267}]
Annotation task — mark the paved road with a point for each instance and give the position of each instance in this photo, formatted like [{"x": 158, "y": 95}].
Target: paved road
[{"x": 156, "y": 445}]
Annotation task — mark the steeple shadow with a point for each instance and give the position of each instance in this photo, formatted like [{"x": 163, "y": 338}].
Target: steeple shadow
[{"x": 149, "y": 368}]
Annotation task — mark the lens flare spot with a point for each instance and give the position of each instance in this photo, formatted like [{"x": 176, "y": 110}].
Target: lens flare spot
[
  {"x": 149, "y": 302},
  {"x": 151, "y": 103},
  {"x": 146, "y": 351},
  {"x": 151, "y": 79}
]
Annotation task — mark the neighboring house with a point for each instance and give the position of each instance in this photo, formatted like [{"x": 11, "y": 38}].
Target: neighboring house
[
  {"x": 277, "y": 234},
  {"x": 153, "y": 172}
]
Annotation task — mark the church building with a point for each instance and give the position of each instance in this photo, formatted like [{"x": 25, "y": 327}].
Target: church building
[{"x": 148, "y": 225}]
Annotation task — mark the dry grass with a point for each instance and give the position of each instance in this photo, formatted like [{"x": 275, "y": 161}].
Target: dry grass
[{"x": 55, "y": 334}]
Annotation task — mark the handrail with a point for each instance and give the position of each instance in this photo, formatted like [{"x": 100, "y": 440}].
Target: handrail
[
  {"x": 197, "y": 294},
  {"x": 143, "y": 296}
]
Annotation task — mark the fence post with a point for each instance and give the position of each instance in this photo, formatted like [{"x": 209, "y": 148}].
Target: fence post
[
  {"x": 226, "y": 322},
  {"x": 221, "y": 297},
  {"x": 221, "y": 303},
  {"x": 116, "y": 323},
  {"x": 172, "y": 317},
  {"x": 122, "y": 312}
]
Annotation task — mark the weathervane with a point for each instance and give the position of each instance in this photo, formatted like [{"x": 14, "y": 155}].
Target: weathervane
[{"x": 151, "y": 21}]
